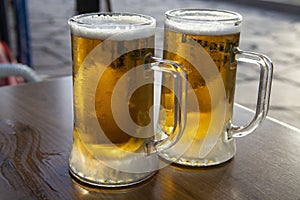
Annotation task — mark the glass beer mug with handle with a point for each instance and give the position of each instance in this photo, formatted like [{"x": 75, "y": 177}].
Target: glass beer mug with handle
[
  {"x": 114, "y": 88},
  {"x": 205, "y": 42}
]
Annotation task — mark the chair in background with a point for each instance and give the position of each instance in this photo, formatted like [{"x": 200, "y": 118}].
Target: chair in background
[
  {"x": 18, "y": 70},
  {"x": 12, "y": 73}
]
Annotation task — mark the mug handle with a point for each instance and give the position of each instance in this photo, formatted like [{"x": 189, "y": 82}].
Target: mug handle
[
  {"x": 264, "y": 91},
  {"x": 160, "y": 66}
]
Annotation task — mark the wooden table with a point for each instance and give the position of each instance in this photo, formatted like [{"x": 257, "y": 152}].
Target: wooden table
[{"x": 36, "y": 137}]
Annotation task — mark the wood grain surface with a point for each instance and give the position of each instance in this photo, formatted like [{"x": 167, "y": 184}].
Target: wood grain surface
[{"x": 36, "y": 138}]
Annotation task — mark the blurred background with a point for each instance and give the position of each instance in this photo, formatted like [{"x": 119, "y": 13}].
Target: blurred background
[{"x": 271, "y": 27}]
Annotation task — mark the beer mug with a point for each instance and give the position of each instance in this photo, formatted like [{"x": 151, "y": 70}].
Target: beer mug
[
  {"x": 205, "y": 42},
  {"x": 116, "y": 97}
]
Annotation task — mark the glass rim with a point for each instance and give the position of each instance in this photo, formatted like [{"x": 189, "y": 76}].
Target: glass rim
[
  {"x": 77, "y": 19},
  {"x": 182, "y": 14}
]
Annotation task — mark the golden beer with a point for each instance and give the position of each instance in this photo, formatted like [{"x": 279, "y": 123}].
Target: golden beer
[
  {"x": 220, "y": 48},
  {"x": 101, "y": 58},
  {"x": 140, "y": 101},
  {"x": 203, "y": 137}
]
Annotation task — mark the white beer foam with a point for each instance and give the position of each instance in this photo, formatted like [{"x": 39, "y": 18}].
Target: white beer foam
[
  {"x": 201, "y": 28},
  {"x": 203, "y": 24},
  {"x": 114, "y": 27}
]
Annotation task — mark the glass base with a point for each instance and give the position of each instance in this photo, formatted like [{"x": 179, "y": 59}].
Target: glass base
[
  {"x": 220, "y": 153},
  {"x": 112, "y": 183},
  {"x": 194, "y": 162}
]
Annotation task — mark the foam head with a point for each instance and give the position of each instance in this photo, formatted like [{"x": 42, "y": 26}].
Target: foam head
[
  {"x": 115, "y": 26},
  {"x": 203, "y": 22}
]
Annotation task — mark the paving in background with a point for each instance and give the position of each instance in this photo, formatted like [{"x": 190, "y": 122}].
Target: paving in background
[{"x": 276, "y": 34}]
